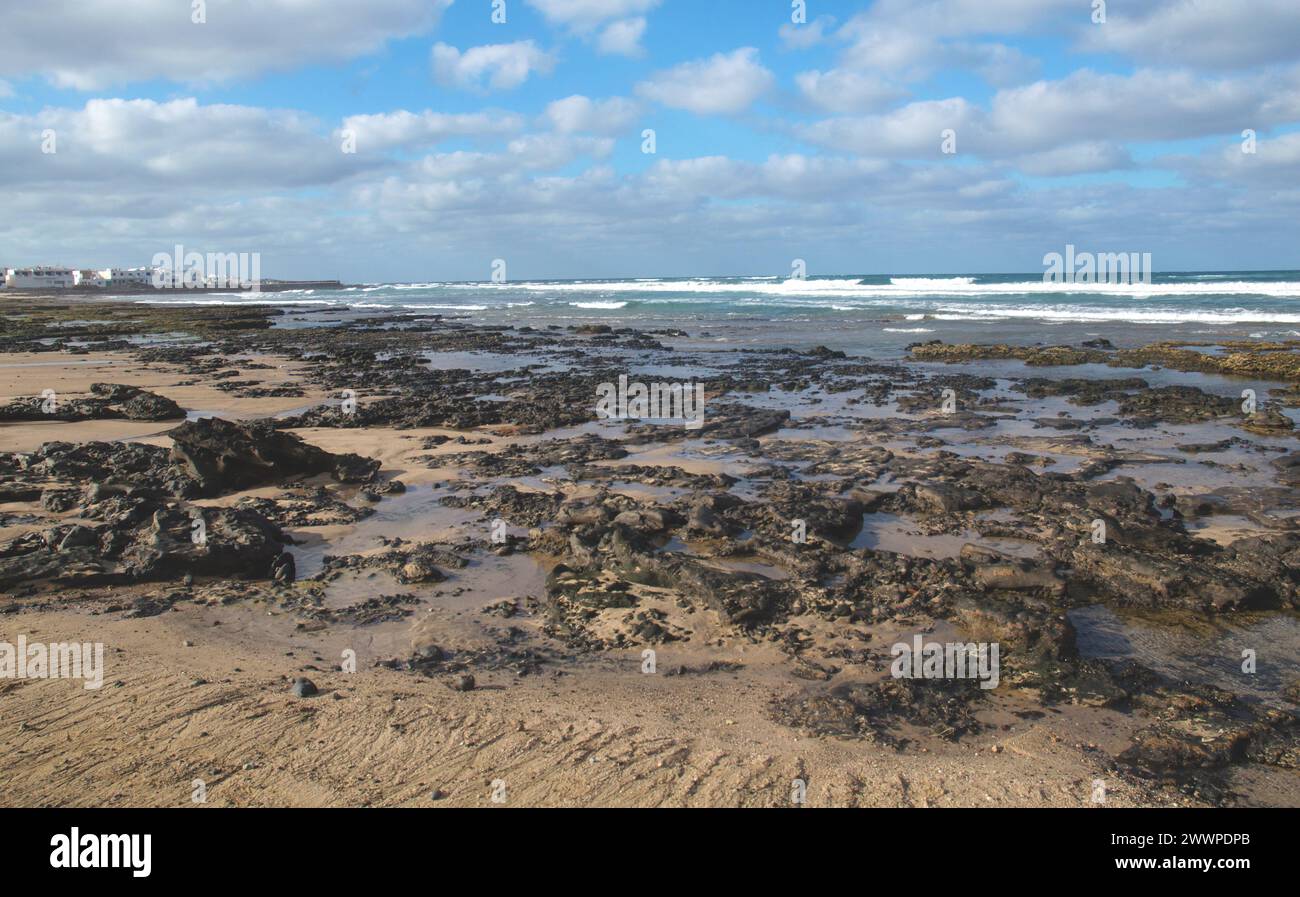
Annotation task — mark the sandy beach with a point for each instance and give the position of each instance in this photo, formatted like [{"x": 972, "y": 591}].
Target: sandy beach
[{"x": 469, "y": 566}]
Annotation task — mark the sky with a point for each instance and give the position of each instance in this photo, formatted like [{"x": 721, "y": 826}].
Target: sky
[{"x": 422, "y": 140}]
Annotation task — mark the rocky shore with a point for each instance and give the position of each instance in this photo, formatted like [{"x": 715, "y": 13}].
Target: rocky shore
[{"x": 440, "y": 500}]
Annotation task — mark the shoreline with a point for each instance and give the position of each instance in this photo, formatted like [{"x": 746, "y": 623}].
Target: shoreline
[{"x": 113, "y": 293}]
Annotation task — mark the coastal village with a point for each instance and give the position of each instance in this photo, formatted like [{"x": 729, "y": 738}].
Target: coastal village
[{"x": 46, "y": 277}]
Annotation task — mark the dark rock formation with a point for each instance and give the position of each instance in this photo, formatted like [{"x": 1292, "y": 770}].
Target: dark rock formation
[{"x": 222, "y": 456}]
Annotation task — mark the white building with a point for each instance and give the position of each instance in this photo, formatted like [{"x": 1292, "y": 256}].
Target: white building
[
  {"x": 128, "y": 277},
  {"x": 41, "y": 278},
  {"x": 89, "y": 278}
]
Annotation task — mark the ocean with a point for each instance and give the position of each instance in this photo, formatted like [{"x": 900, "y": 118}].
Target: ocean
[{"x": 878, "y": 313}]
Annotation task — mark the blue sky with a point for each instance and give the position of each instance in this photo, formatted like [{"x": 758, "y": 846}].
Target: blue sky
[{"x": 775, "y": 139}]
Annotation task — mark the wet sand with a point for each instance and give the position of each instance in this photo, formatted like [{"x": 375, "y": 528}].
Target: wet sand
[{"x": 200, "y": 692}]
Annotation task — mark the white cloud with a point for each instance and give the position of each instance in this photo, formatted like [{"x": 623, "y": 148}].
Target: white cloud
[
  {"x": 616, "y": 26},
  {"x": 897, "y": 50},
  {"x": 505, "y": 66},
  {"x": 1147, "y": 105},
  {"x": 997, "y": 64},
  {"x": 807, "y": 35},
  {"x": 525, "y": 154},
  {"x": 133, "y": 177},
  {"x": 843, "y": 90},
  {"x": 139, "y": 145},
  {"x": 587, "y": 15},
  {"x": 91, "y": 44},
  {"x": 550, "y": 151},
  {"x": 723, "y": 84},
  {"x": 1077, "y": 158},
  {"x": 955, "y": 18},
  {"x": 794, "y": 177},
  {"x": 577, "y": 114},
  {"x": 1202, "y": 33},
  {"x": 1275, "y": 163},
  {"x": 910, "y": 131},
  {"x": 622, "y": 38},
  {"x": 6, "y": 90},
  {"x": 875, "y": 67},
  {"x": 909, "y": 40},
  {"x": 387, "y": 130}
]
